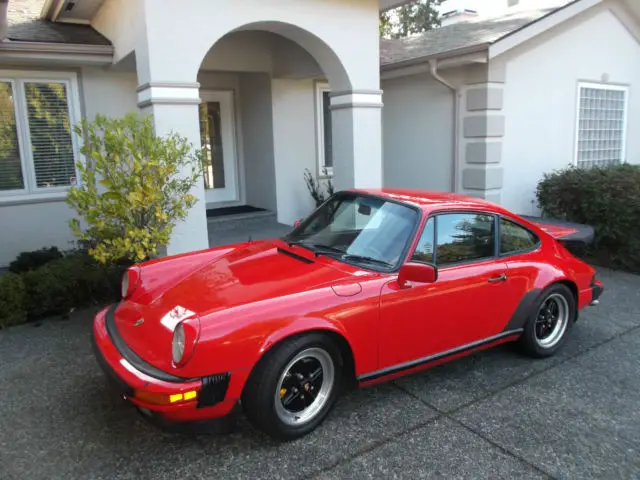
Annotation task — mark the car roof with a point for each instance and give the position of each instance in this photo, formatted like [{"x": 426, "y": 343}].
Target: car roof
[{"x": 429, "y": 200}]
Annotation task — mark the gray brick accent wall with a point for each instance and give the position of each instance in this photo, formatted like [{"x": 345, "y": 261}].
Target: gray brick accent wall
[{"x": 483, "y": 128}]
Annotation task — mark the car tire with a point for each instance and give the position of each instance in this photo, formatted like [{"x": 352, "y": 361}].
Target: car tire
[
  {"x": 285, "y": 373},
  {"x": 549, "y": 323}
]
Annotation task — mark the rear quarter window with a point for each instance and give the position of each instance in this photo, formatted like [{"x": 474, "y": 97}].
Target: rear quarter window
[{"x": 515, "y": 238}]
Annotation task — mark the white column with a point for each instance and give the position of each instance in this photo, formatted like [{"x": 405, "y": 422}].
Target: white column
[
  {"x": 174, "y": 107},
  {"x": 357, "y": 138}
]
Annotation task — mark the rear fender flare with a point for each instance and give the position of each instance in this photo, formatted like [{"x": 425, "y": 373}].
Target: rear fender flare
[{"x": 529, "y": 299}]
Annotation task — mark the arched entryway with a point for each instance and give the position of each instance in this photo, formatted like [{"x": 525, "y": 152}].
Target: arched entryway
[{"x": 271, "y": 99}]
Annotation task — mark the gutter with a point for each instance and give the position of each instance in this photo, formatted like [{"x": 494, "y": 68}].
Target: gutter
[{"x": 433, "y": 70}]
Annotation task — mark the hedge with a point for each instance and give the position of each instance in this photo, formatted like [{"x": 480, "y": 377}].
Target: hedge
[
  {"x": 607, "y": 198},
  {"x": 56, "y": 286}
]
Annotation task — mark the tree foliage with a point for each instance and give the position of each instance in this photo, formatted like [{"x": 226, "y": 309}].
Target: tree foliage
[
  {"x": 134, "y": 188},
  {"x": 417, "y": 17}
]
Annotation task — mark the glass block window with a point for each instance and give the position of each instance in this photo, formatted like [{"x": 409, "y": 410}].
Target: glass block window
[
  {"x": 37, "y": 143},
  {"x": 601, "y": 125}
]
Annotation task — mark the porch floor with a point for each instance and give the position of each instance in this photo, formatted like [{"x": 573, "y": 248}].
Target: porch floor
[{"x": 238, "y": 228}]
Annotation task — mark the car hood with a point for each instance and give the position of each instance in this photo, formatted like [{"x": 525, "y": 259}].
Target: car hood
[{"x": 256, "y": 272}]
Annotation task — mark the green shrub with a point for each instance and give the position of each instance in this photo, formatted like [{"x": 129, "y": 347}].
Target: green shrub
[
  {"x": 607, "y": 198},
  {"x": 76, "y": 280},
  {"x": 12, "y": 300},
  {"x": 27, "y": 261}
]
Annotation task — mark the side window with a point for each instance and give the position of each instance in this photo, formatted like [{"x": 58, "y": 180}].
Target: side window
[
  {"x": 464, "y": 237},
  {"x": 514, "y": 238},
  {"x": 424, "y": 248}
]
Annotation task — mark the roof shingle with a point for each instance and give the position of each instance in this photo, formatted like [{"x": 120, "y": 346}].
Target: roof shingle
[
  {"x": 25, "y": 25},
  {"x": 466, "y": 34}
]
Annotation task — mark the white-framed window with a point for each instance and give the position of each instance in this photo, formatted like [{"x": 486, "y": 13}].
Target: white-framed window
[
  {"x": 323, "y": 124},
  {"x": 601, "y": 124},
  {"x": 38, "y": 148}
]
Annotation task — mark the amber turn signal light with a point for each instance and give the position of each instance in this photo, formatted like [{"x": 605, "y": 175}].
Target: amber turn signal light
[{"x": 161, "y": 399}]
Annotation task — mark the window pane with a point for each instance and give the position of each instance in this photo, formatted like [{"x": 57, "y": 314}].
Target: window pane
[
  {"x": 424, "y": 249},
  {"x": 10, "y": 167},
  {"x": 328, "y": 144},
  {"x": 514, "y": 238},
  {"x": 464, "y": 237},
  {"x": 50, "y": 130},
  {"x": 211, "y": 138}
]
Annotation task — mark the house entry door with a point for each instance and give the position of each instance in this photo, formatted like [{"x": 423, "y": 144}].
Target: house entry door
[{"x": 217, "y": 134}]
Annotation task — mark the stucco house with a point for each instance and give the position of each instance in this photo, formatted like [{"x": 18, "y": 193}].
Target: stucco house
[{"x": 483, "y": 106}]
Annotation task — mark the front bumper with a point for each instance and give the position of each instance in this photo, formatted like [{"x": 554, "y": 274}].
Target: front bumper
[{"x": 136, "y": 381}]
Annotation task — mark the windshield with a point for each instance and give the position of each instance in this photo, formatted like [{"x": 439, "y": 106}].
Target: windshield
[{"x": 358, "y": 229}]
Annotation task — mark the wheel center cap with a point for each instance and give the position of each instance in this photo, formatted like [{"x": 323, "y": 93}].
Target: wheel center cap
[{"x": 306, "y": 387}]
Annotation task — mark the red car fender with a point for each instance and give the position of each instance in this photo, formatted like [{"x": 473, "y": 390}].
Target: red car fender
[{"x": 306, "y": 325}]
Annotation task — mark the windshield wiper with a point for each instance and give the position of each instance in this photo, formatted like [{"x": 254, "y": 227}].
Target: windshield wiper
[{"x": 362, "y": 258}]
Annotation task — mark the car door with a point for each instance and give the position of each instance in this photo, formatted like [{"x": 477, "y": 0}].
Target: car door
[{"x": 464, "y": 304}]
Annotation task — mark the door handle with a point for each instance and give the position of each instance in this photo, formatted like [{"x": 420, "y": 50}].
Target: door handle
[{"x": 501, "y": 278}]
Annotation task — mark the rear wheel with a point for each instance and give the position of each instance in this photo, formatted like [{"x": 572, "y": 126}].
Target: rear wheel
[
  {"x": 293, "y": 387},
  {"x": 550, "y": 322}
]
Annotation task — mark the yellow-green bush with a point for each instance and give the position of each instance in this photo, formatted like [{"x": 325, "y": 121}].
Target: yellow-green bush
[{"x": 134, "y": 188}]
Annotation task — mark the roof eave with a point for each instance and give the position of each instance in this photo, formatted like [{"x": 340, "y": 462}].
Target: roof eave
[
  {"x": 77, "y": 54},
  {"x": 537, "y": 27}
]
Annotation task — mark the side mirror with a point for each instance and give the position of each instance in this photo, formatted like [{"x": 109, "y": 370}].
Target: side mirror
[{"x": 416, "y": 272}]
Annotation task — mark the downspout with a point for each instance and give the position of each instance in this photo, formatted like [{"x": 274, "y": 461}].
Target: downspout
[
  {"x": 3, "y": 20},
  {"x": 433, "y": 70}
]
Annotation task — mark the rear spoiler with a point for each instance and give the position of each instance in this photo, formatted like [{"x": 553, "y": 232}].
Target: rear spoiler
[{"x": 570, "y": 234}]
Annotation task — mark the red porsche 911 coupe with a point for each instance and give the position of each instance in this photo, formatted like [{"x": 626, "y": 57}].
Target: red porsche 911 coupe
[{"x": 373, "y": 285}]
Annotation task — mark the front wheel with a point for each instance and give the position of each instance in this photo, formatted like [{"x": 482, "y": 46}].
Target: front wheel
[
  {"x": 550, "y": 322},
  {"x": 293, "y": 388}
]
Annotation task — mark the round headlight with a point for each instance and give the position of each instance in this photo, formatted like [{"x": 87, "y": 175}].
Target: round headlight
[
  {"x": 129, "y": 281},
  {"x": 177, "y": 346},
  {"x": 124, "y": 289}
]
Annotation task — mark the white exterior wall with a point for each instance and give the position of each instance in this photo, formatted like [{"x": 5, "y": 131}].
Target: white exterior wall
[
  {"x": 540, "y": 98},
  {"x": 294, "y": 144},
  {"x": 348, "y": 50},
  {"x": 417, "y": 133},
  {"x": 33, "y": 225}
]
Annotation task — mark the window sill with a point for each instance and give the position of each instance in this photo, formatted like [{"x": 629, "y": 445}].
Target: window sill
[{"x": 29, "y": 199}]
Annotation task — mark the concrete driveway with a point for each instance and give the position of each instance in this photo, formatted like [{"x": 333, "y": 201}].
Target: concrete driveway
[{"x": 493, "y": 415}]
